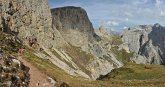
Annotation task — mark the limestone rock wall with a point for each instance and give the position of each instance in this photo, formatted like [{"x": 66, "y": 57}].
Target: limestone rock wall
[
  {"x": 28, "y": 19},
  {"x": 147, "y": 42},
  {"x": 69, "y": 43},
  {"x": 74, "y": 25}
]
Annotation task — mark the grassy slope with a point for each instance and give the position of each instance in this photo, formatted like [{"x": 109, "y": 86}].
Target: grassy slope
[
  {"x": 47, "y": 67},
  {"x": 124, "y": 77},
  {"x": 121, "y": 55},
  {"x": 146, "y": 75},
  {"x": 138, "y": 72}
]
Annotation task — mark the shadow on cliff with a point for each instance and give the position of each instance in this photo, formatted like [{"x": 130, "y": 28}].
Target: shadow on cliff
[{"x": 158, "y": 40}]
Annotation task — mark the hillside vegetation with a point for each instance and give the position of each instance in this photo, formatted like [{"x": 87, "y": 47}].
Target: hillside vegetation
[
  {"x": 133, "y": 71},
  {"x": 128, "y": 75},
  {"x": 9, "y": 43}
]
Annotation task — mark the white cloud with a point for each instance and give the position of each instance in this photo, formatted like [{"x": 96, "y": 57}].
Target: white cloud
[
  {"x": 129, "y": 14},
  {"x": 113, "y": 23},
  {"x": 126, "y": 19},
  {"x": 137, "y": 2},
  {"x": 125, "y": 27},
  {"x": 162, "y": 13},
  {"x": 158, "y": 2},
  {"x": 145, "y": 1}
]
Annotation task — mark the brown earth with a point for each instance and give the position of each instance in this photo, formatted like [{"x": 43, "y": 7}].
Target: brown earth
[{"x": 37, "y": 78}]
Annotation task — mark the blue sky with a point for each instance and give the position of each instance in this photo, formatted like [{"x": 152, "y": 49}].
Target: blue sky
[{"x": 119, "y": 14}]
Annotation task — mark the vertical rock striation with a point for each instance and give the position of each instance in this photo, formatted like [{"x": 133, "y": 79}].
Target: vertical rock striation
[
  {"x": 147, "y": 42},
  {"x": 27, "y": 19},
  {"x": 74, "y": 25},
  {"x": 69, "y": 41}
]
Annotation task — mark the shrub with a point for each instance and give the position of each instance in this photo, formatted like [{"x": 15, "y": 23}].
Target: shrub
[
  {"x": 116, "y": 40},
  {"x": 122, "y": 55}
]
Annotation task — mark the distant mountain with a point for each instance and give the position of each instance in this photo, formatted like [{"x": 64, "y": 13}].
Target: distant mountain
[
  {"x": 104, "y": 29},
  {"x": 113, "y": 32},
  {"x": 148, "y": 42}
]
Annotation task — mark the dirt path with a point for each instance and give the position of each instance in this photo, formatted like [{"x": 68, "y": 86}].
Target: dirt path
[{"x": 37, "y": 78}]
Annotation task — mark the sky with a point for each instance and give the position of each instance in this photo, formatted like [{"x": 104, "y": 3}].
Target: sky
[{"x": 119, "y": 14}]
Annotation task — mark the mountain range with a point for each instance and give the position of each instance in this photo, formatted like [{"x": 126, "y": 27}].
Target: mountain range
[{"x": 65, "y": 38}]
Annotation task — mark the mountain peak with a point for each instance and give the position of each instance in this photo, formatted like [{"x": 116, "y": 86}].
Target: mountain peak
[
  {"x": 69, "y": 7},
  {"x": 71, "y": 19},
  {"x": 157, "y": 25}
]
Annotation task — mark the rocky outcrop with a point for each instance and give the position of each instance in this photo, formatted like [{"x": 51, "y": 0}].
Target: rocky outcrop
[
  {"x": 135, "y": 37},
  {"x": 74, "y": 25},
  {"x": 28, "y": 19},
  {"x": 69, "y": 43},
  {"x": 12, "y": 72},
  {"x": 147, "y": 42}
]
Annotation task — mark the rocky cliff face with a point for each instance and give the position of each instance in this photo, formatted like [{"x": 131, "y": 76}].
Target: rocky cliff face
[
  {"x": 28, "y": 19},
  {"x": 147, "y": 42},
  {"x": 74, "y": 25},
  {"x": 69, "y": 43}
]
